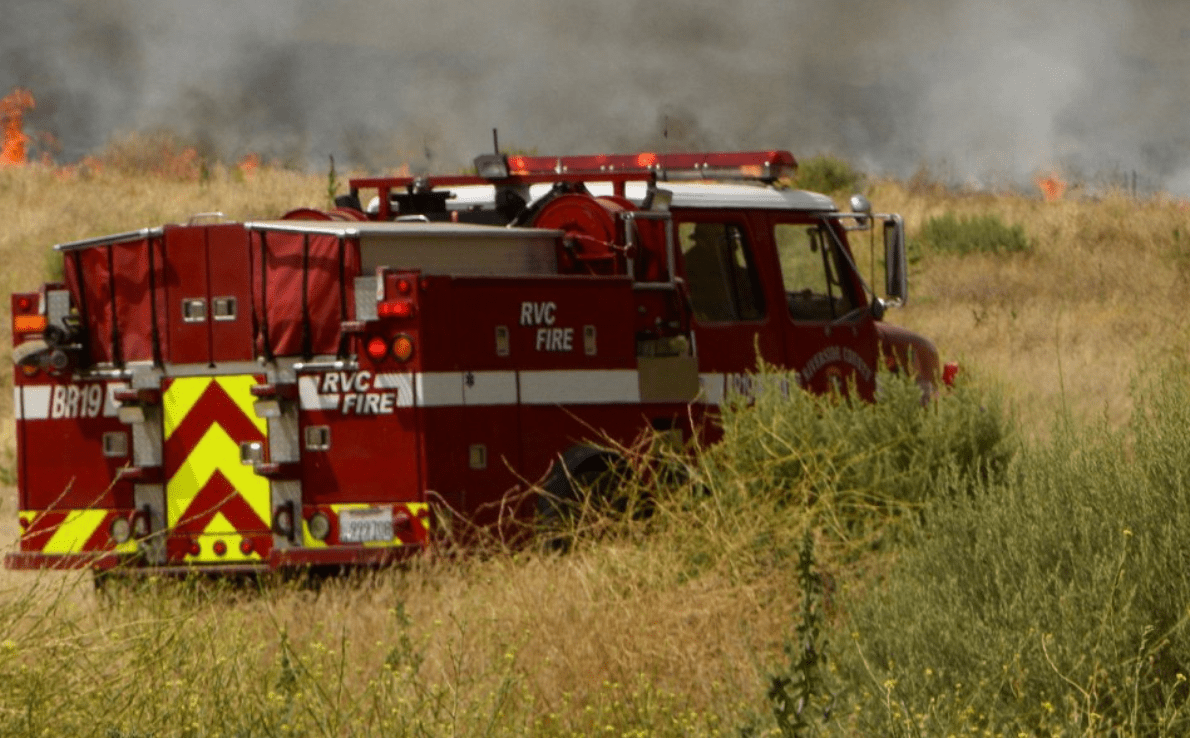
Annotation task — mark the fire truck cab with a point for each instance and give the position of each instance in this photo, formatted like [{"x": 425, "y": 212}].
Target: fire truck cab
[{"x": 318, "y": 389}]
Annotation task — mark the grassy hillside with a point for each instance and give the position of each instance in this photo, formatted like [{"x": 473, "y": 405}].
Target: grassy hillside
[{"x": 975, "y": 567}]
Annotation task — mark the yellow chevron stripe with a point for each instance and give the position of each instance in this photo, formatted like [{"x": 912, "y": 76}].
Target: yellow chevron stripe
[
  {"x": 74, "y": 532},
  {"x": 239, "y": 389},
  {"x": 215, "y": 451},
  {"x": 179, "y": 400}
]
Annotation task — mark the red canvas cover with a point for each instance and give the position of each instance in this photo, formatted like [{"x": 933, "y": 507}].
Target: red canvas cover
[
  {"x": 123, "y": 267},
  {"x": 327, "y": 268},
  {"x": 134, "y": 311}
]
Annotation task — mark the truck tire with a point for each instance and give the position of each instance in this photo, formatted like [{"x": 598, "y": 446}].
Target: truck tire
[{"x": 580, "y": 476}]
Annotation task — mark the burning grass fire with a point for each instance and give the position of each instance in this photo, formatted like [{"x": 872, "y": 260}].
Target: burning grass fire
[
  {"x": 12, "y": 113},
  {"x": 1052, "y": 187}
]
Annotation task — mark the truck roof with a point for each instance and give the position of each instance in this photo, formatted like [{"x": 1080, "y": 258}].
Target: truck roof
[{"x": 694, "y": 195}]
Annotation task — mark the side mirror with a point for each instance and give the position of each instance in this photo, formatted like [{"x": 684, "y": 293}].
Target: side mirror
[{"x": 896, "y": 270}]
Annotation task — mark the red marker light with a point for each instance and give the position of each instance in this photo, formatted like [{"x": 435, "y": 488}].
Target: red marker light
[
  {"x": 404, "y": 287},
  {"x": 245, "y": 546},
  {"x": 395, "y": 309},
  {"x": 220, "y": 548},
  {"x": 24, "y": 303}
]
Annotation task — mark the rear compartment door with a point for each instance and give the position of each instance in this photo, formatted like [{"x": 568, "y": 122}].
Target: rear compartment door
[
  {"x": 217, "y": 507},
  {"x": 207, "y": 293}
]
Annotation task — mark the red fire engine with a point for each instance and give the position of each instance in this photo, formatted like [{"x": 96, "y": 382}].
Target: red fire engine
[{"x": 316, "y": 390}]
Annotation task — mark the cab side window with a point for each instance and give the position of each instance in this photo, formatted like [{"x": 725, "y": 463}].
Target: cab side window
[
  {"x": 720, "y": 272},
  {"x": 810, "y": 268}
]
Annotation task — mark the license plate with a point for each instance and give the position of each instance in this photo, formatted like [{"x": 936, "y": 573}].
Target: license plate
[{"x": 364, "y": 524}]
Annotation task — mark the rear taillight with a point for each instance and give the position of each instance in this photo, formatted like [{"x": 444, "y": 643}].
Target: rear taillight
[
  {"x": 377, "y": 348},
  {"x": 220, "y": 548},
  {"x": 246, "y": 546}
]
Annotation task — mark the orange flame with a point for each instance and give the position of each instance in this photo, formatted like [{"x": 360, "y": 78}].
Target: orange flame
[
  {"x": 249, "y": 164},
  {"x": 1052, "y": 187},
  {"x": 12, "y": 112}
]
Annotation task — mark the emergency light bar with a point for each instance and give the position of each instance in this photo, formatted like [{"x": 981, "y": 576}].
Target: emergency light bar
[{"x": 765, "y": 166}]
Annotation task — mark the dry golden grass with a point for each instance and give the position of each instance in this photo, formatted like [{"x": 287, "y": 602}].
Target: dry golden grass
[{"x": 1067, "y": 325}]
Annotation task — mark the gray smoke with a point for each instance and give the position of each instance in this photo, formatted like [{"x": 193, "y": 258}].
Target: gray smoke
[{"x": 988, "y": 93}]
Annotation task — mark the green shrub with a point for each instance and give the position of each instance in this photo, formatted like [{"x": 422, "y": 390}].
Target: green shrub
[
  {"x": 829, "y": 174},
  {"x": 975, "y": 234},
  {"x": 851, "y": 471},
  {"x": 1052, "y": 600}
]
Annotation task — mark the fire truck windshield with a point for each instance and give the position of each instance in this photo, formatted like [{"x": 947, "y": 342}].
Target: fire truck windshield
[{"x": 816, "y": 275}]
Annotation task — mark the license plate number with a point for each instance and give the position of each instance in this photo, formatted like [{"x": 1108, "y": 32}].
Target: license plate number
[{"x": 361, "y": 525}]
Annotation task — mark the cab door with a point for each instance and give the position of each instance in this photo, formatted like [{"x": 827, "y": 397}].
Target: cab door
[
  {"x": 723, "y": 260},
  {"x": 830, "y": 334}
]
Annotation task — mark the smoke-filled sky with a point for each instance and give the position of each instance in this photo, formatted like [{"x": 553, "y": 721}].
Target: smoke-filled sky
[{"x": 979, "y": 92}]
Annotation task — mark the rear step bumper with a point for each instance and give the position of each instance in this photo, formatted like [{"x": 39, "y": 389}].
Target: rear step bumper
[{"x": 278, "y": 560}]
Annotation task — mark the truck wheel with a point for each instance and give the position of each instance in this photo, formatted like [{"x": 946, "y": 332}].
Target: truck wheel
[{"x": 583, "y": 477}]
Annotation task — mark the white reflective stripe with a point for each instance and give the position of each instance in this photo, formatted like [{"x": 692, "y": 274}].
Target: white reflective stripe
[
  {"x": 489, "y": 388},
  {"x": 435, "y": 389},
  {"x": 710, "y": 388},
  {"x": 110, "y": 406},
  {"x": 402, "y": 383},
  {"x": 580, "y": 387},
  {"x": 309, "y": 397},
  {"x": 36, "y": 402},
  {"x": 480, "y": 388}
]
